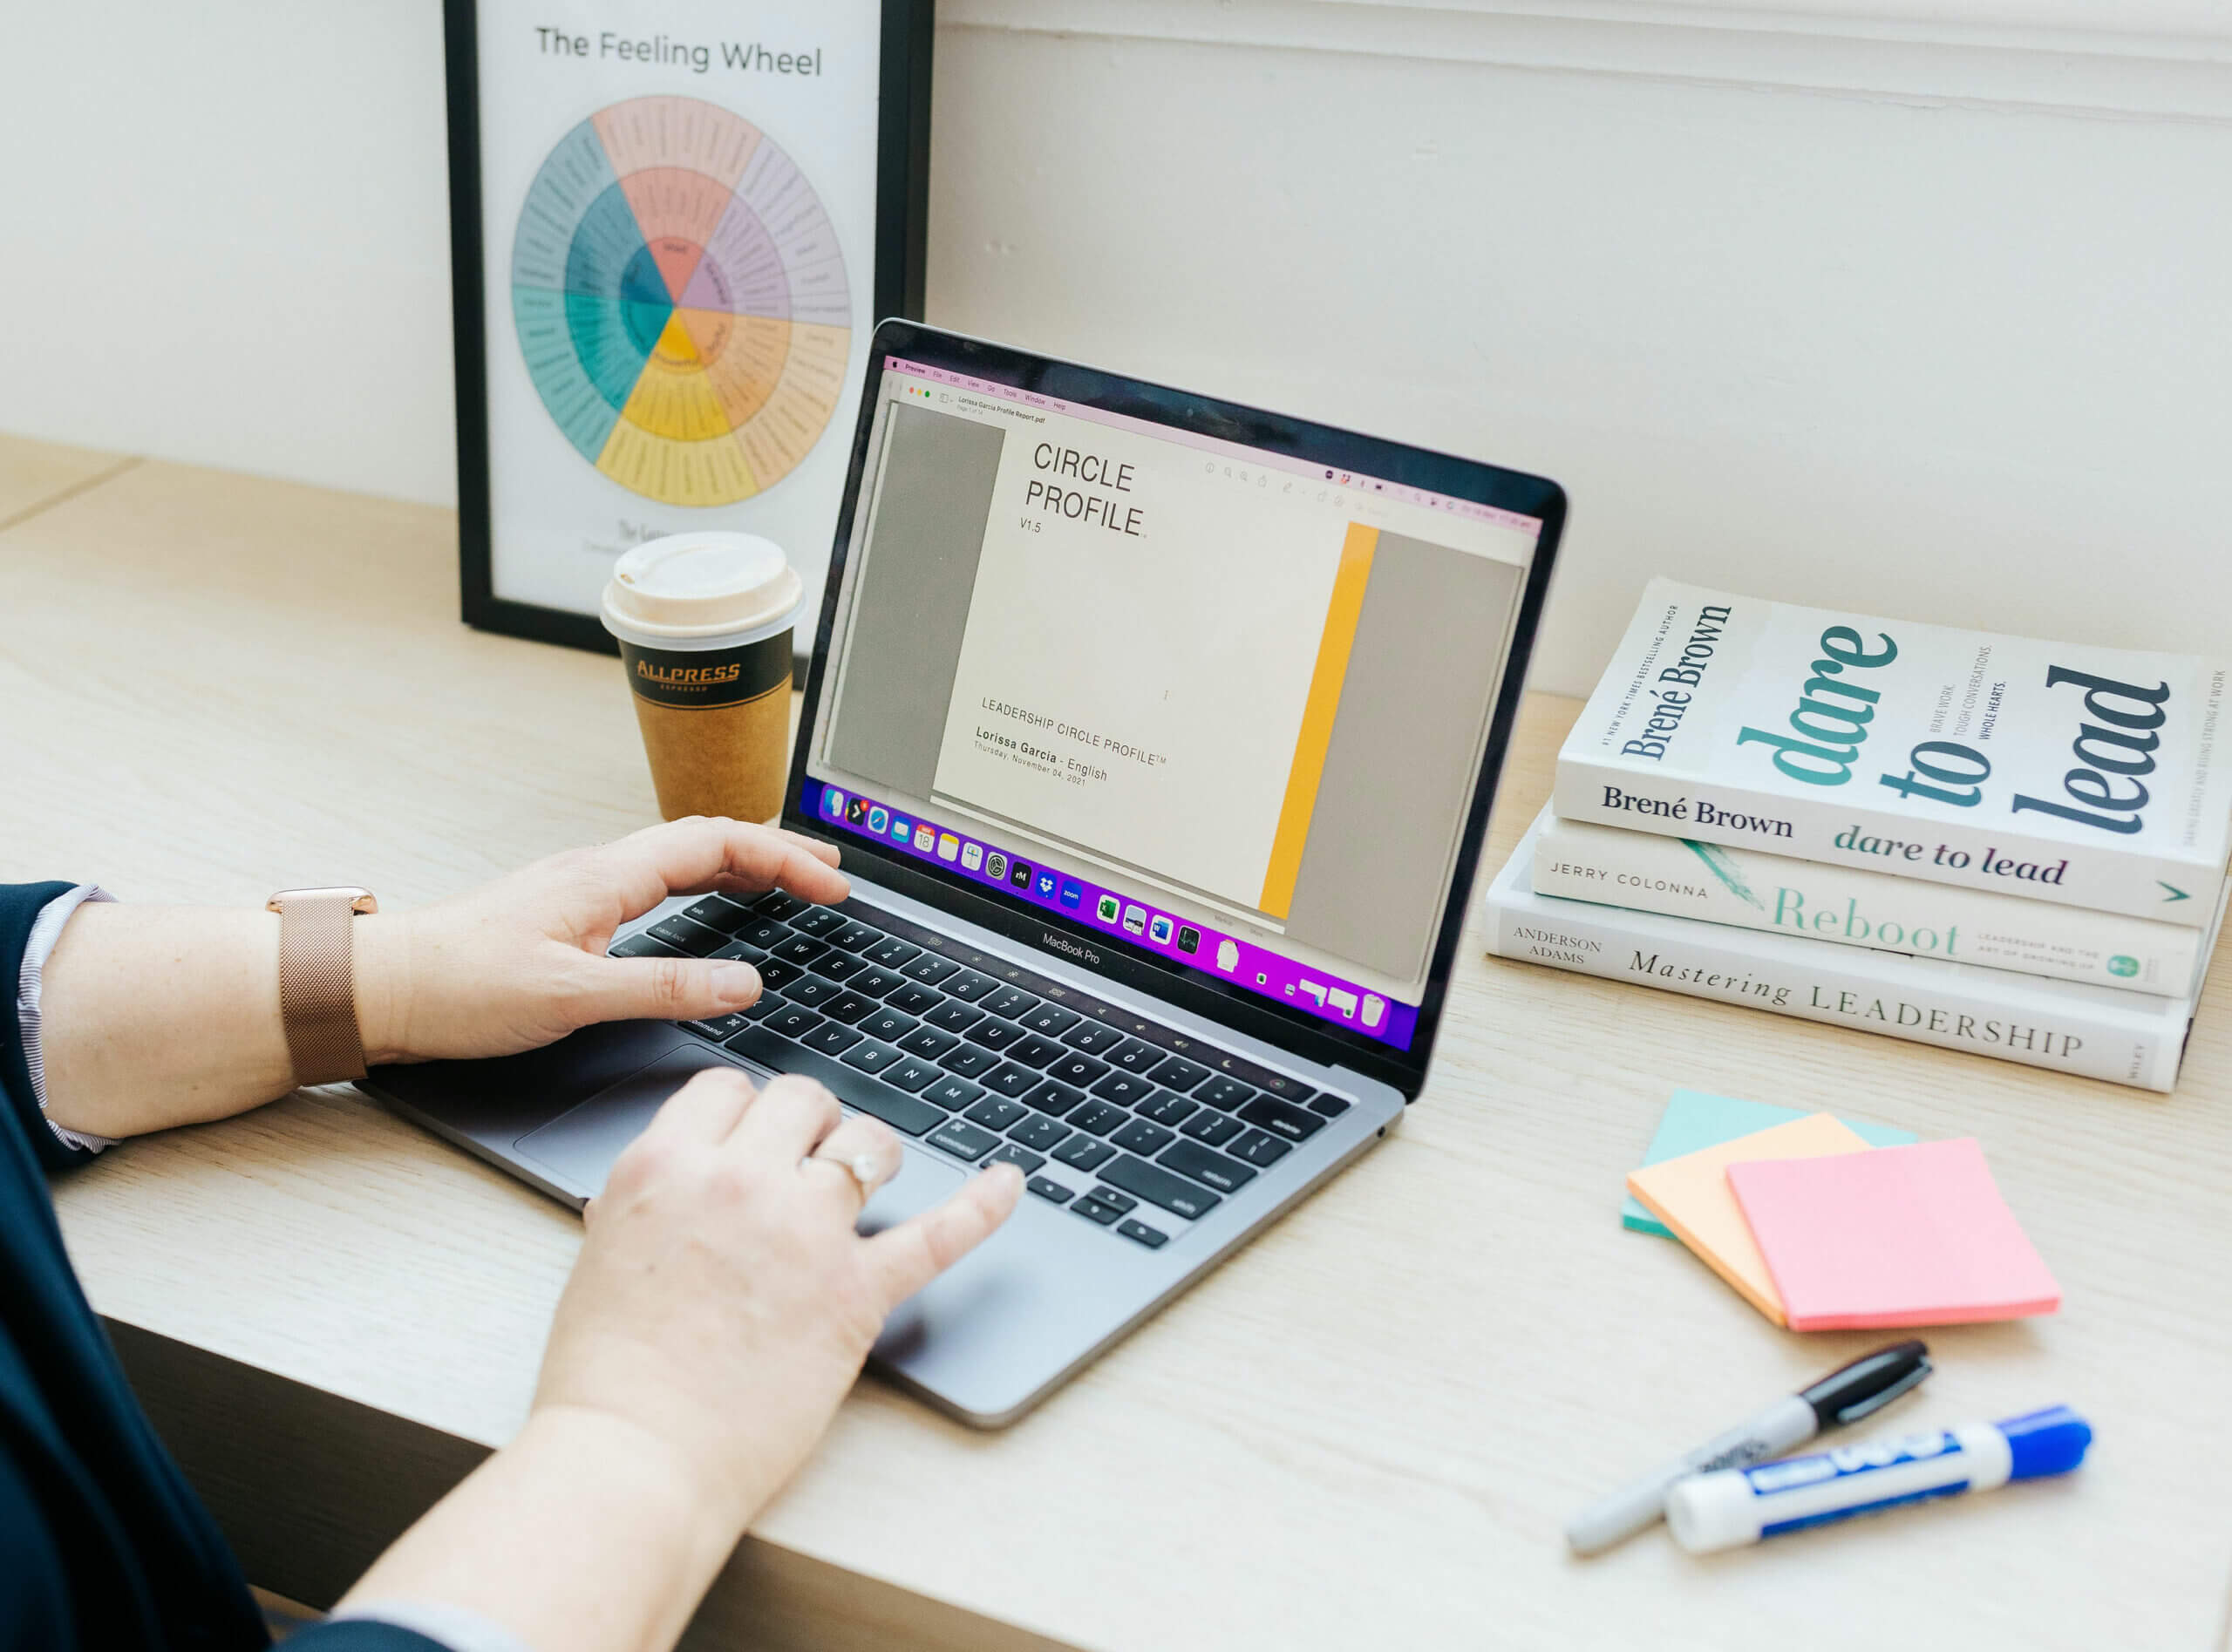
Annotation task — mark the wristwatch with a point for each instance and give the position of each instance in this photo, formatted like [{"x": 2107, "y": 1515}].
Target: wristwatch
[{"x": 318, "y": 984}]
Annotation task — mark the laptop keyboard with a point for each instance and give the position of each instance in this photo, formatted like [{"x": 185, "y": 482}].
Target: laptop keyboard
[{"x": 1128, "y": 1124}]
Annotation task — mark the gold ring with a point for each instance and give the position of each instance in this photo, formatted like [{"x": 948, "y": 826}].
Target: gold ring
[{"x": 862, "y": 1167}]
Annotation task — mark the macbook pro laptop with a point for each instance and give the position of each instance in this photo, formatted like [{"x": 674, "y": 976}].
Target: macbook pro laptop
[{"x": 1159, "y": 735}]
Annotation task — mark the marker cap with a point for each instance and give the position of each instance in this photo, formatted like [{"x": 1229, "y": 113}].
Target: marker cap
[{"x": 2053, "y": 1441}]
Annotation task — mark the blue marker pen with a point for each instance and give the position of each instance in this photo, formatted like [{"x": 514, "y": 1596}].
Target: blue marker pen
[{"x": 1734, "y": 1506}]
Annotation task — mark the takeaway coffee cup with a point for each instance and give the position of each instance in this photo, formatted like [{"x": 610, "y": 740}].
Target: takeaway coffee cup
[{"x": 704, "y": 622}]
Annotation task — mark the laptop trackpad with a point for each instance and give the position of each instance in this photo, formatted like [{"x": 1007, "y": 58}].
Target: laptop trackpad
[{"x": 577, "y": 1148}]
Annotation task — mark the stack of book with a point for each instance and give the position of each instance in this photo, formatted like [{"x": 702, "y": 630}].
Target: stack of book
[{"x": 1980, "y": 842}]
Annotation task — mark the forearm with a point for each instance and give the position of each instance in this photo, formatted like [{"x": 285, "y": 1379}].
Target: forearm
[
  {"x": 584, "y": 1534},
  {"x": 161, "y": 1016}
]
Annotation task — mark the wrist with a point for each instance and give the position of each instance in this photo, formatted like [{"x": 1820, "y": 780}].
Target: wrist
[
  {"x": 699, "y": 1516},
  {"x": 380, "y": 965}
]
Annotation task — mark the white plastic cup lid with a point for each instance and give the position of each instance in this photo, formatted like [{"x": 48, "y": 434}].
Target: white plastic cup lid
[{"x": 693, "y": 586}]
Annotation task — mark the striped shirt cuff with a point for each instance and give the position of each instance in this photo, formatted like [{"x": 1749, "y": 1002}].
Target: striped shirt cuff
[
  {"x": 453, "y": 1626},
  {"x": 45, "y": 931}
]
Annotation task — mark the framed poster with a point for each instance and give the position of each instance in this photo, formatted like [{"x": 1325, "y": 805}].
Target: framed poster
[{"x": 673, "y": 226}]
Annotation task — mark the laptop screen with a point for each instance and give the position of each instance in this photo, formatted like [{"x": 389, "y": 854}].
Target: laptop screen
[{"x": 1215, "y": 702}]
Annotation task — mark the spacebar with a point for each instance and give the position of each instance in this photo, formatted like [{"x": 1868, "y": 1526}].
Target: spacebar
[{"x": 850, "y": 1085}]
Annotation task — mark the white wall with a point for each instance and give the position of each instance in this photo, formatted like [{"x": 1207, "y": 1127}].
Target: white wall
[{"x": 1925, "y": 311}]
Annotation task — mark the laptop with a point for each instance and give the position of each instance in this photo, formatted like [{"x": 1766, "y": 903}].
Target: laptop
[{"x": 1158, "y": 734}]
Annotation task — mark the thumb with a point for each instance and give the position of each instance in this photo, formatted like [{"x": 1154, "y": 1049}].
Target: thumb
[{"x": 668, "y": 989}]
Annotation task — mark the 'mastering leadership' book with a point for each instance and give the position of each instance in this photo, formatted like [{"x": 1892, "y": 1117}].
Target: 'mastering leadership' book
[
  {"x": 2066, "y": 1026},
  {"x": 1718, "y": 884},
  {"x": 2090, "y": 776}
]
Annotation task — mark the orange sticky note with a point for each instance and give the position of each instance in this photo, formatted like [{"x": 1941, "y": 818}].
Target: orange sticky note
[{"x": 1690, "y": 1195}]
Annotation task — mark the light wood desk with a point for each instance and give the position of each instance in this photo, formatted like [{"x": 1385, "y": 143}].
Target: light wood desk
[{"x": 1366, "y": 1429}]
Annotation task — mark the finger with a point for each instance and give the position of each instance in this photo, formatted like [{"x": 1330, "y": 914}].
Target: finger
[
  {"x": 853, "y": 1161},
  {"x": 705, "y": 1110},
  {"x": 789, "y": 1120},
  {"x": 662, "y": 989},
  {"x": 904, "y": 1259},
  {"x": 684, "y": 857}
]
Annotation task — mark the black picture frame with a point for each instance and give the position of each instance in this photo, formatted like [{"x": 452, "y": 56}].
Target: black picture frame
[{"x": 901, "y": 213}]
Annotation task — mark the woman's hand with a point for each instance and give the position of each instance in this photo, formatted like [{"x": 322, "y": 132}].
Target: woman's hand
[
  {"x": 520, "y": 962},
  {"x": 720, "y": 1310},
  {"x": 723, "y": 1304}
]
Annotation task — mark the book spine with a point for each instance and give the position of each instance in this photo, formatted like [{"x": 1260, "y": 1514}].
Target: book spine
[
  {"x": 1682, "y": 879},
  {"x": 1993, "y": 860},
  {"x": 1723, "y": 965}
]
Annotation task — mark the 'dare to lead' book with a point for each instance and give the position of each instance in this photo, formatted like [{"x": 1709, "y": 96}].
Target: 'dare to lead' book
[{"x": 2091, "y": 777}]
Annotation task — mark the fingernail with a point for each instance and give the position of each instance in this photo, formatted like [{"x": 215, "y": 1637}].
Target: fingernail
[{"x": 734, "y": 982}]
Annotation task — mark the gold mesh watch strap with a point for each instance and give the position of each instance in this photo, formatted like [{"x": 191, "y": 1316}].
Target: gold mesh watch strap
[{"x": 317, "y": 989}]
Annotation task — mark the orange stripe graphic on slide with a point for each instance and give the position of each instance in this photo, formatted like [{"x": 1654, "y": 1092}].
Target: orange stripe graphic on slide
[{"x": 1317, "y": 718}]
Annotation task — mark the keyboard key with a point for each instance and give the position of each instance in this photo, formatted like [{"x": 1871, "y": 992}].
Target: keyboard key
[
  {"x": 1214, "y": 1128},
  {"x": 1051, "y": 1020},
  {"x": 1040, "y": 1134},
  {"x": 954, "y": 1016},
  {"x": 799, "y": 949},
  {"x": 1122, "y": 1204},
  {"x": 872, "y": 983},
  {"x": 1077, "y": 1070},
  {"x": 855, "y": 936},
  {"x": 1268, "y": 1112},
  {"x": 683, "y": 935},
  {"x": 1227, "y": 1093},
  {"x": 968, "y": 1060},
  {"x": 1159, "y": 1186},
  {"x": 888, "y": 1024},
  {"x": 1094, "y": 1211},
  {"x": 1052, "y": 1192},
  {"x": 1179, "y": 1074},
  {"x": 1284, "y": 1088},
  {"x": 1211, "y": 1170},
  {"x": 913, "y": 999},
  {"x": 847, "y": 1006},
  {"x": 871, "y": 1056},
  {"x": 642, "y": 946},
  {"x": 793, "y": 1021},
  {"x": 811, "y": 989},
  {"x": 1091, "y": 1037},
  {"x": 1137, "y": 1137},
  {"x": 1022, "y": 1159},
  {"x": 854, "y": 1089},
  {"x": 930, "y": 969},
  {"x": 891, "y": 952},
  {"x": 1011, "y": 1080},
  {"x": 831, "y": 1038},
  {"x": 969, "y": 986},
  {"x": 775, "y": 974},
  {"x": 719, "y": 1028},
  {"x": 996, "y": 1113},
  {"x": 1009, "y": 1003},
  {"x": 1259, "y": 1149},
  {"x": 817, "y": 920},
  {"x": 1034, "y": 1052},
  {"x": 765, "y": 932},
  {"x": 1163, "y": 1107},
  {"x": 765, "y": 1004},
  {"x": 927, "y": 1043},
  {"x": 911, "y": 1074},
  {"x": 1085, "y": 1153},
  {"x": 716, "y": 914},
  {"x": 1123, "y": 1087},
  {"x": 778, "y": 904},
  {"x": 1134, "y": 1056},
  {"x": 996, "y": 1035},
  {"x": 963, "y": 1141},
  {"x": 1332, "y": 1106},
  {"x": 956, "y": 1093},
  {"x": 839, "y": 966},
  {"x": 1097, "y": 1118},
  {"x": 1055, "y": 1099},
  {"x": 1152, "y": 1238},
  {"x": 742, "y": 949}
]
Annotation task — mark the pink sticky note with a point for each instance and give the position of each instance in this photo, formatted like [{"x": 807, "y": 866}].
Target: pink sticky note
[{"x": 1899, "y": 1236}]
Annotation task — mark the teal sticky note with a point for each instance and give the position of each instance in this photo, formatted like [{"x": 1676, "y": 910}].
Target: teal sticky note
[{"x": 1695, "y": 1120}]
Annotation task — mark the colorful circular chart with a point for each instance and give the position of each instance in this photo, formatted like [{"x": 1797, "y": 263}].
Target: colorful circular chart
[{"x": 681, "y": 301}]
